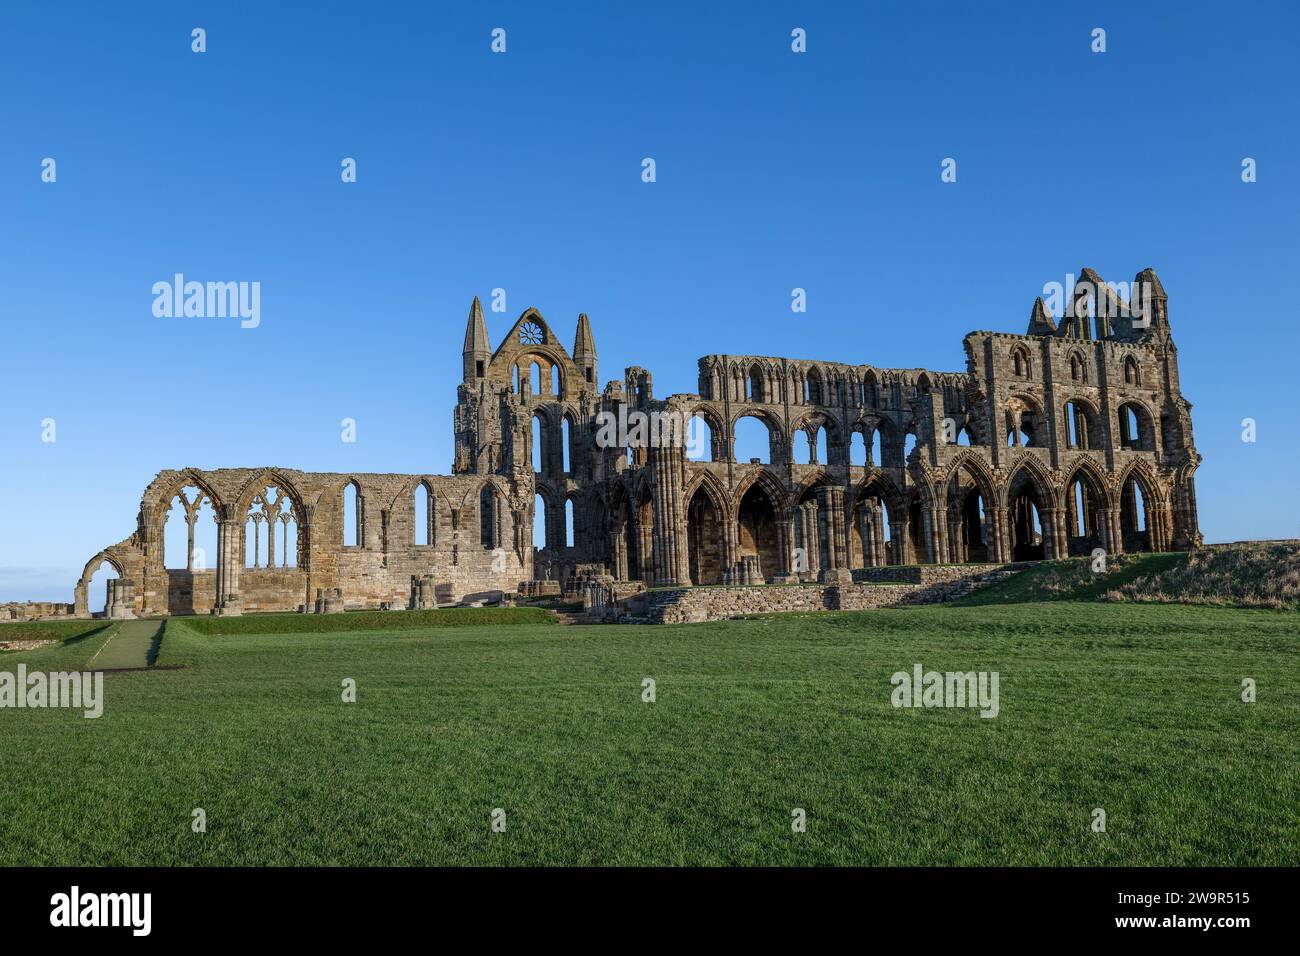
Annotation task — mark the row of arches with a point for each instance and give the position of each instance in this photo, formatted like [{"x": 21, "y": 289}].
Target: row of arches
[
  {"x": 820, "y": 526},
  {"x": 189, "y": 534},
  {"x": 1133, "y": 428},
  {"x": 1022, "y": 366},
  {"x": 815, "y": 439},
  {"x": 765, "y": 382}
]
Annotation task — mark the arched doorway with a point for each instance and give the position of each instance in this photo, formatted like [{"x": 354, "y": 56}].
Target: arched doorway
[
  {"x": 1135, "y": 514},
  {"x": 872, "y": 536},
  {"x": 757, "y": 532},
  {"x": 970, "y": 530},
  {"x": 1085, "y": 513},
  {"x": 1024, "y": 514},
  {"x": 704, "y": 534}
]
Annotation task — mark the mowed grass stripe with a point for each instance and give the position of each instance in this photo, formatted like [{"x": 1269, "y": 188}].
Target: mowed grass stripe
[
  {"x": 1133, "y": 709},
  {"x": 129, "y": 646}
]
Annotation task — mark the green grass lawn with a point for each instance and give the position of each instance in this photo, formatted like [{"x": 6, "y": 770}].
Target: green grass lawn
[{"x": 1132, "y": 708}]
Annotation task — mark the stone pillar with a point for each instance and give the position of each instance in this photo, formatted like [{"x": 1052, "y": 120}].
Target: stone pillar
[
  {"x": 1059, "y": 546},
  {"x": 879, "y": 546},
  {"x": 671, "y": 563},
  {"x": 270, "y": 539},
  {"x": 119, "y": 601},
  {"x": 808, "y": 538},
  {"x": 618, "y": 554},
  {"x": 1001, "y": 539},
  {"x": 830, "y": 507},
  {"x": 228, "y": 562},
  {"x": 1114, "y": 532},
  {"x": 938, "y": 534}
]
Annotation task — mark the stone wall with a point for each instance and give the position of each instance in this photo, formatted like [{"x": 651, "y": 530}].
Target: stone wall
[
  {"x": 933, "y": 585},
  {"x": 34, "y": 611}
]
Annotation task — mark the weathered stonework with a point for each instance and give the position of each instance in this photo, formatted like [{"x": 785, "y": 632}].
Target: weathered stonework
[{"x": 1042, "y": 448}]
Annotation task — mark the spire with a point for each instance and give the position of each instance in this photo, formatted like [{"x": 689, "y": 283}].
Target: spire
[
  {"x": 584, "y": 351},
  {"x": 583, "y": 345},
  {"x": 476, "y": 337},
  {"x": 1040, "y": 320},
  {"x": 1149, "y": 296},
  {"x": 478, "y": 351}
]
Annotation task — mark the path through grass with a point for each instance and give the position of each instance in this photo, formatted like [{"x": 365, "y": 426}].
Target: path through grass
[{"x": 134, "y": 644}]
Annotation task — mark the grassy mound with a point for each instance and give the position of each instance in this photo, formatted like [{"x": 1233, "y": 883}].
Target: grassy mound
[
  {"x": 1256, "y": 574},
  {"x": 1074, "y": 580},
  {"x": 368, "y": 620}
]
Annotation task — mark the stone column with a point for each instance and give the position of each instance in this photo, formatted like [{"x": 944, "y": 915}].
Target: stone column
[
  {"x": 670, "y": 560},
  {"x": 1001, "y": 540},
  {"x": 228, "y": 562},
  {"x": 831, "y": 509},
  {"x": 809, "y": 539},
  {"x": 1055, "y": 544},
  {"x": 879, "y": 546},
  {"x": 1114, "y": 533}
]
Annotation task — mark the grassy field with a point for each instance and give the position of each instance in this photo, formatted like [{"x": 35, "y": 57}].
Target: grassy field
[{"x": 1131, "y": 708}]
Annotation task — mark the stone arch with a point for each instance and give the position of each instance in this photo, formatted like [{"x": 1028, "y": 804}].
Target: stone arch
[
  {"x": 424, "y": 528},
  {"x": 717, "y": 445},
  {"x": 814, "y": 390},
  {"x": 775, "y": 432},
  {"x": 268, "y": 477},
  {"x": 707, "y": 520},
  {"x": 288, "y": 501},
  {"x": 870, "y": 389},
  {"x": 1029, "y": 499},
  {"x": 164, "y": 495},
  {"x": 757, "y": 389},
  {"x": 490, "y": 517},
  {"x": 875, "y": 516},
  {"x": 1022, "y": 363},
  {"x": 1026, "y": 426},
  {"x": 1140, "y": 504},
  {"x": 759, "y": 524},
  {"x": 969, "y": 504},
  {"x": 81, "y": 592},
  {"x": 191, "y": 543},
  {"x": 814, "y": 425},
  {"x": 1087, "y": 507},
  {"x": 1081, "y": 424},
  {"x": 886, "y": 453},
  {"x": 1078, "y": 363},
  {"x": 1135, "y": 426}
]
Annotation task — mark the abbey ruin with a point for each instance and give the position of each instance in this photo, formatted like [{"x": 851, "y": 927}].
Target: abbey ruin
[{"x": 1055, "y": 442}]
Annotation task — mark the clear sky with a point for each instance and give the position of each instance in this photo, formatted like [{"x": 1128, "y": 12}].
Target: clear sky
[{"x": 522, "y": 171}]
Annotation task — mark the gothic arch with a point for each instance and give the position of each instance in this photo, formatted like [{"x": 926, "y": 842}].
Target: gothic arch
[
  {"x": 1035, "y": 473},
  {"x": 712, "y": 486},
  {"x": 190, "y": 477},
  {"x": 270, "y": 478},
  {"x": 772, "y": 486}
]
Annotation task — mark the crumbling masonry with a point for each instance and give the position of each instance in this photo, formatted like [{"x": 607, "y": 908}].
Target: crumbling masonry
[{"x": 1053, "y": 443}]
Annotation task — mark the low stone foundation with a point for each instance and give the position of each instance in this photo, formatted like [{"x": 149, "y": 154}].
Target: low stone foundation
[
  {"x": 34, "y": 610},
  {"x": 880, "y": 587}
]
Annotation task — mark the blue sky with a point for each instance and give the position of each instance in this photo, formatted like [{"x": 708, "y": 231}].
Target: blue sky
[{"x": 522, "y": 171}]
